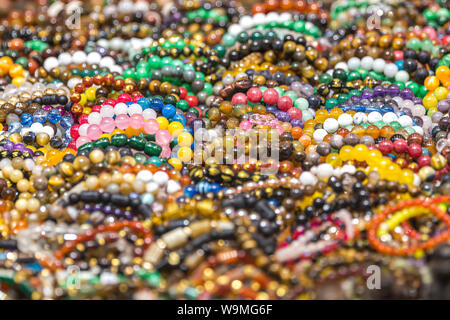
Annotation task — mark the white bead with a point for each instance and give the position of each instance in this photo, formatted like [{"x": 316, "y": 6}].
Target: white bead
[
  {"x": 325, "y": 170},
  {"x": 418, "y": 130},
  {"x": 173, "y": 186},
  {"x": 160, "y": 177},
  {"x": 116, "y": 68},
  {"x": 348, "y": 168},
  {"x": 388, "y": 117},
  {"x": 374, "y": 116},
  {"x": 73, "y": 82},
  {"x": 378, "y": 65},
  {"x": 359, "y": 118},
  {"x": 64, "y": 59},
  {"x": 246, "y": 22},
  {"x": 341, "y": 65},
  {"x": 120, "y": 108},
  {"x": 235, "y": 29},
  {"x": 151, "y": 187},
  {"x": 367, "y": 63},
  {"x": 106, "y": 62},
  {"x": 319, "y": 134},
  {"x": 116, "y": 43},
  {"x": 345, "y": 120},
  {"x": 259, "y": 18},
  {"x": 272, "y": 16},
  {"x": 353, "y": 63},
  {"x": 79, "y": 57},
  {"x": 402, "y": 76},
  {"x": 285, "y": 16},
  {"x": 149, "y": 113},
  {"x": 94, "y": 118},
  {"x": 48, "y": 130},
  {"x": 107, "y": 111},
  {"x": 405, "y": 121},
  {"x": 144, "y": 175},
  {"x": 36, "y": 127},
  {"x": 331, "y": 125},
  {"x": 50, "y": 63},
  {"x": 94, "y": 58},
  {"x": 307, "y": 178},
  {"x": 134, "y": 108},
  {"x": 82, "y": 130},
  {"x": 390, "y": 70}
]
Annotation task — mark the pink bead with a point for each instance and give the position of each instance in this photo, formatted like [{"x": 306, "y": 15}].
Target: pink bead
[
  {"x": 94, "y": 131},
  {"x": 137, "y": 121},
  {"x": 284, "y": 103},
  {"x": 151, "y": 126},
  {"x": 122, "y": 121},
  {"x": 430, "y": 31},
  {"x": 424, "y": 160},
  {"x": 239, "y": 98},
  {"x": 254, "y": 95},
  {"x": 107, "y": 124},
  {"x": 163, "y": 137},
  {"x": 81, "y": 141},
  {"x": 398, "y": 55},
  {"x": 295, "y": 113},
  {"x": 245, "y": 125},
  {"x": 165, "y": 152},
  {"x": 270, "y": 96}
]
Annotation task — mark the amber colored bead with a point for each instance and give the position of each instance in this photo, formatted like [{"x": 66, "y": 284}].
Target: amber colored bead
[
  {"x": 373, "y": 131},
  {"x": 387, "y": 132},
  {"x": 415, "y": 138}
]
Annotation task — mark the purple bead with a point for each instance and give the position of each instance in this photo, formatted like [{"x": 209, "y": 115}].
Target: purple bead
[
  {"x": 271, "y": 108},
  {"x": 393, "y": 90},
  {"x": 379, "y": 91},
  {"x": 88, "y": 207},
  {"x": 443, "y": 106},
  {"x": 418, "y": 121},
  {"x": 47, "y": 108},
  {"x": 354, "y": 99},
  {"x": 19, "y": 147},
  {"x": 8, "y": 145},
  {"x": 417, "y": 100},
  {"x": 297, "y": 123},
  {"x": 283, "y": 116},
  {"x": 108, "y": 209},
  {"x": 366, "y": 94},
  {"x": 29, "y": 151},
  {"x": 118, "y": 212},
  {"x": 407, "y": 93}
]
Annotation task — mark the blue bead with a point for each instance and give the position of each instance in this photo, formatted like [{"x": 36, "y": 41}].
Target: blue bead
[
  {"x": 144, "y": 103},
  {"x": 273, "y": 202},
  {"x": 129, "y": 103},
  {"x": 180, "y": 118},
  {"x": 169, "y": 111},
  {"x": 66, "y": 122},
  {"x": 15, "y": 127},
  {"x": 399, "y": 64},
  {"x": 157, "y": 104},
  {"x": 189, "y": 191},
  {"x": 215, "y": 187},
  {"x": 26, "y": 119},
  {"x": 54, "y": 116},
  {"x": 40, "y": 116}
]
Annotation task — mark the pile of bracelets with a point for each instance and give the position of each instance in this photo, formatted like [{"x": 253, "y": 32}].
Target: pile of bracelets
[{"x": 209, "y": 149}]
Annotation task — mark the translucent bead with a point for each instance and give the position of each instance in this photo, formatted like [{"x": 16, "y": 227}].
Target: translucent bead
[
  {"x": 40, "y": 116},
  {"x": 54, "y": 116}
]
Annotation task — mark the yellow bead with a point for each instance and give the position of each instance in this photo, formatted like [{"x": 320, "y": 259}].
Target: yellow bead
[
  {"x": 430, "y": 101},
  {"x": 185, "y": 139},
  {"x": 406, "y": 177},
  {"x": 440, "y": 93},
  {"x": 18, "y": 81},
  {"x": 90, "y": 93},
  {"x": 334, "y": 159},
  {"x": 162, "y": 122},
  {"x": 184, "y": 154},
  {"x": 105, "y": 135},
  {"x": 175, "y": 128},
  {"x": 117, "y": 131},
  {"x": 131, "y": 132},
  {"x": 176, "y": 163},
  {"x": 346, "y": 153},
  {"x": 360, "y": 152},
  {"x": 83, "y": 100}
]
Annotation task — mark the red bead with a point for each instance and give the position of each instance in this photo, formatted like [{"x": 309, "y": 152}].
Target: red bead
[
  {"x": 254, "y": 95},
  {"x": 400, "y": 145},
  {"x": 110, "y": 102},
  {"x": 72, "y": 145},
  {"x": 137, "y": 97},
  {"x": 295, "y": 113},
  {"x": 270, "y": 96},
  {"x": 192, "y": 101},
  {"x": 96, "y": 109},
  {"x": 385, "y": 146},
  {"x": 183, "y": 92},
  {"x": 415, "y": 150},
  {"x": 74, "y": 131},
  {"x": 285, "y": 103},
  {"x": 123, "y": 97},
  {"x": 83, "y": 119},
  {"x": 424, "y": 160},
  {"x": 239, "y": 98}
]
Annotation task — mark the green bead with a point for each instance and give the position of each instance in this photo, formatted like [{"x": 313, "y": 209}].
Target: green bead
[
  {"x": 330, "y": 103},
  {"x": 140, "y": 157},
  {"x": 102, "y": 142},
  {"x": 299, "y": 26},
  {"x": 414, "y": 87},
  {"x": 414, "y": 43},
  {"x": 23, "y": 62},
  {"x": 325, "y": 78},
  {"x": 87, "y": 146},
  {"x": 228, "y": 40},
  {"x": 154, "y": 160},
  {"x": 353, "y": 76},
  {"x": 154, "y": 62},
  {"x": 152, "y": 149},
  {"x": 129, "y": 73},
  {"x": 182, "y": 105},
  {"x": 395, "y": 125},
  {"x": 242, "y": 37},
  {"x": 380, "y": 124},
  {"x": 119, "y": 140},
  {"x": 137, "y": 143}
]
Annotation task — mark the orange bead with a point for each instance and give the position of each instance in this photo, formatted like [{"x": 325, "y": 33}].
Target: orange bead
[
  {"x": 6, "y": 63},
  {"x": 16, "y": 70},
  {"x": 431, "y": 83},
  {"x": 296, "y": 132}
]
